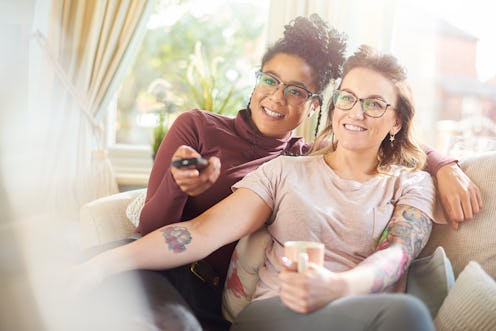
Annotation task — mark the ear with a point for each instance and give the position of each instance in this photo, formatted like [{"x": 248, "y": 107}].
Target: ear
[
  {"x": 311, "y": 112},
  {"x": 313, "y": 106},
  {"x": 396, "y": 127}
]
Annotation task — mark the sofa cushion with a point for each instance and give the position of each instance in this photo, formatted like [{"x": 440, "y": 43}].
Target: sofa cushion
[
  {"x": 133, "y": 210},
  {"x": 430, "y": 278},
  {"x": 471, "y": 303},
  {"x": 104, "y": 220},
  {"x": 242, "y": 276},
  {"x": 475, "y": 239}
]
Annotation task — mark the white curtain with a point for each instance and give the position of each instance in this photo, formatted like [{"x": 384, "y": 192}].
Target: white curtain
[
  {"x": 368, "y": 22},
  {"x": 61, "y": 60},
  {"x": 84, "y": 49}
]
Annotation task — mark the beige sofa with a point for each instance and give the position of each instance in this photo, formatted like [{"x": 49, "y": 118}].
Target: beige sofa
[{"x": 470, "y": 303}]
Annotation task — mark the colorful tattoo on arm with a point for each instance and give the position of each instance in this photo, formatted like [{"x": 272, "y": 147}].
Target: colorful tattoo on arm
[
  {"x": 411, "y": 228},
  {"x": 402, "y": 240},
  {"x": 176, "y": 237}
]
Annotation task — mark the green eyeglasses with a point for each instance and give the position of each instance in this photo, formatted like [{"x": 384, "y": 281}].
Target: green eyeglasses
[
  {"x": 295, "y": 95},
  {"x": 372, "y": 107}
]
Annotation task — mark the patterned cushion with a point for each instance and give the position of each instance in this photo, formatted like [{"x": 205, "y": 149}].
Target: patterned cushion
[
  {"x": 133, "y": 210},
  {"x": 242, "y": 276}
]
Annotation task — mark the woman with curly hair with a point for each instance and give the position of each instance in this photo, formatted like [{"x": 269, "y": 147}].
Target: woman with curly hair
[
  {"x": 289, "y": 88},
  {"x": 363, "y": 196}
]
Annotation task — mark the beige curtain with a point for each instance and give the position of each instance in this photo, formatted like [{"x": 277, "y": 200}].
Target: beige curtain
[
  {"x": 86, "y": 47},
  {"x": 364, "y": 22},
  {"x": 91, "y": 39}
]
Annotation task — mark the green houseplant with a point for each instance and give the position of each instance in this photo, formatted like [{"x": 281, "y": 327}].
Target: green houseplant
[
  {"x": 158, "y": 89},
  {"x": 209, "y": 87}
]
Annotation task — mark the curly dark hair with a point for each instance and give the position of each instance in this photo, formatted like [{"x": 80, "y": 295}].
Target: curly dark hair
[{"x": 321, "y": 46}]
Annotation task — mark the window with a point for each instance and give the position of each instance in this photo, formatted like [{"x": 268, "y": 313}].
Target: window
[
  {"x": 195, "y": 54},
  {"x": 446, "y": 45},
  {"x": 449, "y": 51}
]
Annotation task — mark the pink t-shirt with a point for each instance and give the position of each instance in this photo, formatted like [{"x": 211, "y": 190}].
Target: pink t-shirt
[{"x": 311, "y": 202}]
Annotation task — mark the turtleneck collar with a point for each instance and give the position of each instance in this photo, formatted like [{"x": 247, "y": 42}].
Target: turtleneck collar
[{"x": 247, "y": 131}]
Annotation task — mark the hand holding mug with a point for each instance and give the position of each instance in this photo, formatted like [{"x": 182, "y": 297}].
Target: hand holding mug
[{"x": 297, "y": 254}]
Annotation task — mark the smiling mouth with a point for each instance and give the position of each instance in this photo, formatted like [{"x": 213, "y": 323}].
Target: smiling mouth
[
  {"x": 352, "y": 127},
  {"x": 272, "y": 113}
]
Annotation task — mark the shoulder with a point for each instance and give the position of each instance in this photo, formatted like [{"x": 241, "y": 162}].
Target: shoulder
[
  {"x": 415, "y": 176},
  {"x": 412, "y": 180},
  {"x": 202, "y": 120},
  {"x": 286, "y": 163},
  {"x": 201, "y": 115}
]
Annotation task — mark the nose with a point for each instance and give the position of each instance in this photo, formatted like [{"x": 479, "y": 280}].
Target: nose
[
  {"x": 278, "y": 94},
  {"x": 357, "y": 111}
]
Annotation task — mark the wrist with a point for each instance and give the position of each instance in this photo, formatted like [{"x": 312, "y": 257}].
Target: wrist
[{"x": 448, "y": 167}]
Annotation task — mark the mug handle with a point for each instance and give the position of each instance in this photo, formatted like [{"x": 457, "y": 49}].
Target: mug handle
[{"x": 302, "y": 262}]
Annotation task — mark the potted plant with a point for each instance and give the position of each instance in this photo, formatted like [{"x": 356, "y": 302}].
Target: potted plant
[
  {"x": 158, "y": 89},
  {"x": 208, "y": 87}
]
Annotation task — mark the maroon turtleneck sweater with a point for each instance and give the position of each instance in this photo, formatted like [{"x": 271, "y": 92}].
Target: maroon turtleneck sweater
[{"x": 240, "y": 148}]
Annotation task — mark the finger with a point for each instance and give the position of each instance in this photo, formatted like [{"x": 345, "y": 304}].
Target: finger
[
  {"x": 478, "y": 197},
  {"x": 454, "y": 225},
  {"x": 214, "y": 167},
  {"x": 184, "y": 173},
  {"x": 184, "y": 151},
  {"x": 192, "y": 184},
  {"x": 290, "y": 302},
  {"x": 474, "y": 202},
  {"x": 314, "y": 266},
  {"x": 197, "y": 190},
  {"x": 455, "y": 210},
  {"x": 467, "y": 209}
]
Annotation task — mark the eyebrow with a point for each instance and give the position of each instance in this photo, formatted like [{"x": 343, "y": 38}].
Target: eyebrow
[
  {"x": 373, "y": 96},
  {"x": 296, "y": 83}
]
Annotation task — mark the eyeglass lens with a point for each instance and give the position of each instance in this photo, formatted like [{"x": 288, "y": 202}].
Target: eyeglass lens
[
  {"x": 295, "y": 95},
  {"x": 372, "y": 107}
]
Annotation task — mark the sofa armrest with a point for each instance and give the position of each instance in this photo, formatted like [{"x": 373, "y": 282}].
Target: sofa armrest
[
  {"x": 474, "y": 240},
  {"x": 104, "y": 220}
]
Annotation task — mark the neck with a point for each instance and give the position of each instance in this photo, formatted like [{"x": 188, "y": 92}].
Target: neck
[{"x": 351, "y": 165}]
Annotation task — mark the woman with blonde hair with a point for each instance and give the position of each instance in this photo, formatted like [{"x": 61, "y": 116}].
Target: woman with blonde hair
[{"x": 363, "y": 197}]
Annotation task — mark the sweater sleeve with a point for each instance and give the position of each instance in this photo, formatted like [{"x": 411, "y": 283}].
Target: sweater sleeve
[
  {"x": 436, "y": 160},
  {"x": 165, "y": 201}
]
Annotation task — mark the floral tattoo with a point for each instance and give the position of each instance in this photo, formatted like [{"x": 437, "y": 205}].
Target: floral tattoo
[
  {"x": 408, "y": 231},
  {"x": 176, "y": 237}
]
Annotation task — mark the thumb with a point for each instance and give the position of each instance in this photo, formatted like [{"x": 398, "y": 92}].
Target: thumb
[
  {"x": 184, "y": 151},
  {"x": 289, "y": 264}
]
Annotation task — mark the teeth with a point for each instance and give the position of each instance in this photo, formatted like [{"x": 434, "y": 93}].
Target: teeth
[
  {"x": 353, "y": 127},
  {"x": 272, "y": 113}
]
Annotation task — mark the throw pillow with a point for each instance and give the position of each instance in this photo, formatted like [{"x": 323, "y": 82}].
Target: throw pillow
[
  {"x": 471, "y": 303},
  {"x": 475, "y": 239},
  {"x": 133, "y": 210},
  {"x": 430, "y": 279},
  {"x": 242, "y": 276}
]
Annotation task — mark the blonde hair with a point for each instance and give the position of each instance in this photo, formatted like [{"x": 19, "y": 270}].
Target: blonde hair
[{"x": 405, "y": 151}]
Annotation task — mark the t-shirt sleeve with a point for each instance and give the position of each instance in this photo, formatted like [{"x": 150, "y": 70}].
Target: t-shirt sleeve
[{"x": 418, "y": 191}]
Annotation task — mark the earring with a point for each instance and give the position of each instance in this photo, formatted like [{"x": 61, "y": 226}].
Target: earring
[{"x": 391, "y": 140}]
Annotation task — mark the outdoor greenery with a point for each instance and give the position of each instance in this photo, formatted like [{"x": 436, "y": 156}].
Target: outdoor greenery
[{"x": 207, "y": 59}]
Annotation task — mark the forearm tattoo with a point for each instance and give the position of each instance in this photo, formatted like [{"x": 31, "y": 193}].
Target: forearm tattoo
[
  {"x": 176, "y": 237},
  {"x": 408, "y": 230}
]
